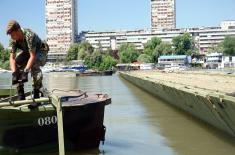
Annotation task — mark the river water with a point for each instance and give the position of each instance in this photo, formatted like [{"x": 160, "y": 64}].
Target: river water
[{"x": 138, "y": 123}]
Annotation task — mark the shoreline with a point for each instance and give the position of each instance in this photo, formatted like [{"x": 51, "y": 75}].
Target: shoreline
[{"x": 211, "y": 81}]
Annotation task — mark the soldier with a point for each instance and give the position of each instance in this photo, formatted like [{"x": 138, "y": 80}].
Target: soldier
[{"x": 28, "y": 53}]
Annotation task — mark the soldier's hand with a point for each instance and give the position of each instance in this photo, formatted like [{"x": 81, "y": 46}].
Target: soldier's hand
[
  {"x": 24, "y": 76},
  {"x": 15, "y": 78}
]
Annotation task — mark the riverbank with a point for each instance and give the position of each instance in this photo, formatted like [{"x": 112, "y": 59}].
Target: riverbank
[{"x": 207, "y": 96}]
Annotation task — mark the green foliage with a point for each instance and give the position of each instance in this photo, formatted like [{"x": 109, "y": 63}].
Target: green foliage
[
  {"x": 4, "y": 57},
  {"x": 150, "y": 48},
  {"x": 107, "y": 63},
  {"x": 127, "y": 53},
  {"x": 164, "y": 48},
  {"x": 5, "y": 64},
  {"x": 85, "y": 47},
  {"x": 99, "y": 61},
  {"x": 229, "y": 45},
  {"x": 152, "y": 44},
  {"x": 72, "y": 52},
  {"x": 183, "y": 44},
  {"x": 96, "y": 58},
  {"x": 1, "y": 47},
  {"x": 144, "y": 58},
  {"x": 79, "y": 51},
  {"x": 82, "y": 54}
]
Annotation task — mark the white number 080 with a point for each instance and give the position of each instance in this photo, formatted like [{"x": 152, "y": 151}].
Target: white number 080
[{"x": 47, "y": 120}]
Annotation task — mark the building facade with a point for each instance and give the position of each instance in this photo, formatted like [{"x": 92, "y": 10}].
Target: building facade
[
  {"x": 163, "y": 14},
  {"x": 228, "y": 24},
  {"x": 210, "y": 37},
  {"x": 205, "y": 37},
  {"x": 61, "y": 26},
  {"x": 174, "y": 60}
]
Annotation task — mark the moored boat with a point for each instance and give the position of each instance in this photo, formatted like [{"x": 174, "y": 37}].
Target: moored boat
[
  {"x": 95, "y": 73},
  {"x": 23, "y": 128}
]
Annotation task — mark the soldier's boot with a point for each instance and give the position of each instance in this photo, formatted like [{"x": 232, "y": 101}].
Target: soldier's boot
[
  {"x": 20, "y": 92},
  {"x": 36, "y": 95}
]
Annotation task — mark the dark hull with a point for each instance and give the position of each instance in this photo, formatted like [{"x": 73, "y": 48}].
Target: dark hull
[
  {"x": 83, "y": 127},
  {"x": 96, "y": 73},
  {"x": 109, "y": 72}
]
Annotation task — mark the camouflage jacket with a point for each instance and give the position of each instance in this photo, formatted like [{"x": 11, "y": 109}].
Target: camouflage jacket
[{"x": 30, "y": 43}]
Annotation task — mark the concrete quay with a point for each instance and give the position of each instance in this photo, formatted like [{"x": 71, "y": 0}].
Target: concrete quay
[{"x": 207, "y": 96}]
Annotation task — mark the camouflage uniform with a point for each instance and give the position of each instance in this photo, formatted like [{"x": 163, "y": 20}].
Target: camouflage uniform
[{"x": 30, "y": 43}]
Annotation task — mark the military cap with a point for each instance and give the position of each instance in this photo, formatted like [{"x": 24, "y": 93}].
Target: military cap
[{"x": 12, "y": 26}]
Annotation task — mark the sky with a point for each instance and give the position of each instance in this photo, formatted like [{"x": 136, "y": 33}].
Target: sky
[{"x": 107, "y": 15}]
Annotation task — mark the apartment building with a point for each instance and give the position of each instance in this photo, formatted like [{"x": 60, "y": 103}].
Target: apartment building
[
  {"x": 205, "y": 37},
  {"x": 210, "y": 37},
  {"x": 61, "y": 26},
  {"x": 113, "y": 39},
  {"x": 163, "y": 14},
  {"x": 218, "y": 60},
  {"x": 228, "y": 24}
]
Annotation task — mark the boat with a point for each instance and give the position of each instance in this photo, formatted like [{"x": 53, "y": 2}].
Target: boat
[
  {"x": 107, "y": 72},
  {"x": 5, "y": 92},
  {"x": 75, "y": 68},
  {"x": 35, "y": 129},
  {"x": 95, "y": 73}
]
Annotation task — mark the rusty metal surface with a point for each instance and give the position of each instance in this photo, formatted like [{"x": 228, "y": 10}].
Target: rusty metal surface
[{"x": 79, "y": 98}]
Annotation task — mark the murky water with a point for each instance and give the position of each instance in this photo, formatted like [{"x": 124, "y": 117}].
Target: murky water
[{"x": 138, "y": 123}]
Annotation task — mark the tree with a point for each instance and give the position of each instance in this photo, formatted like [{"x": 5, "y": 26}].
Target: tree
[
  {"x": 78, "y": 51},
  {"x": 144, "y": 58},
  {"x": 94, "y": 60},
  {"x": 229, "y": 45},
  {"x": 153, "y": 43},
  {"x": 150, "y": 48},
  {"x": 113, "y": 53},
  {"x": 73, "y": 52},
  {"x": 1, "y": 52},
  {"x": 86, "y": 46},
  {"x": 5, "y": 65},
  {"x": 127, "y": 53},
  {"x": 164, "y": 48},
  {"x": 183, "y": 44},
  {"x": 107, "y": 63},
  {"x": 215, "y": 48},
  {"x": 1, "y": 47},
  {"x": 85, "y": 49},
  {"x": 82, "y": 54},
  {"x": 5, "y": 54},
  {"x": 4, "y": 57}
]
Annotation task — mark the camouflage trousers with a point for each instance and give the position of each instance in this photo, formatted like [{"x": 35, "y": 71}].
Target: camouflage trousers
[{"x": 36, "y": 73}]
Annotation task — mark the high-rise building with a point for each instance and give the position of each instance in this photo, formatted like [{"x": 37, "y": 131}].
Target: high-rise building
[
  {"x": 61, "y": 26},
  {"x": 163, "y": 14}
]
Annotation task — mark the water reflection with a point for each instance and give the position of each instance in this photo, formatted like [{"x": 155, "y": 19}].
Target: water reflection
[{"x": 127, "y": 131}]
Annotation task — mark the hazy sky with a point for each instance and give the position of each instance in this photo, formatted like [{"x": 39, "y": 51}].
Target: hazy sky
[{"x": 105, "y": 15}]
